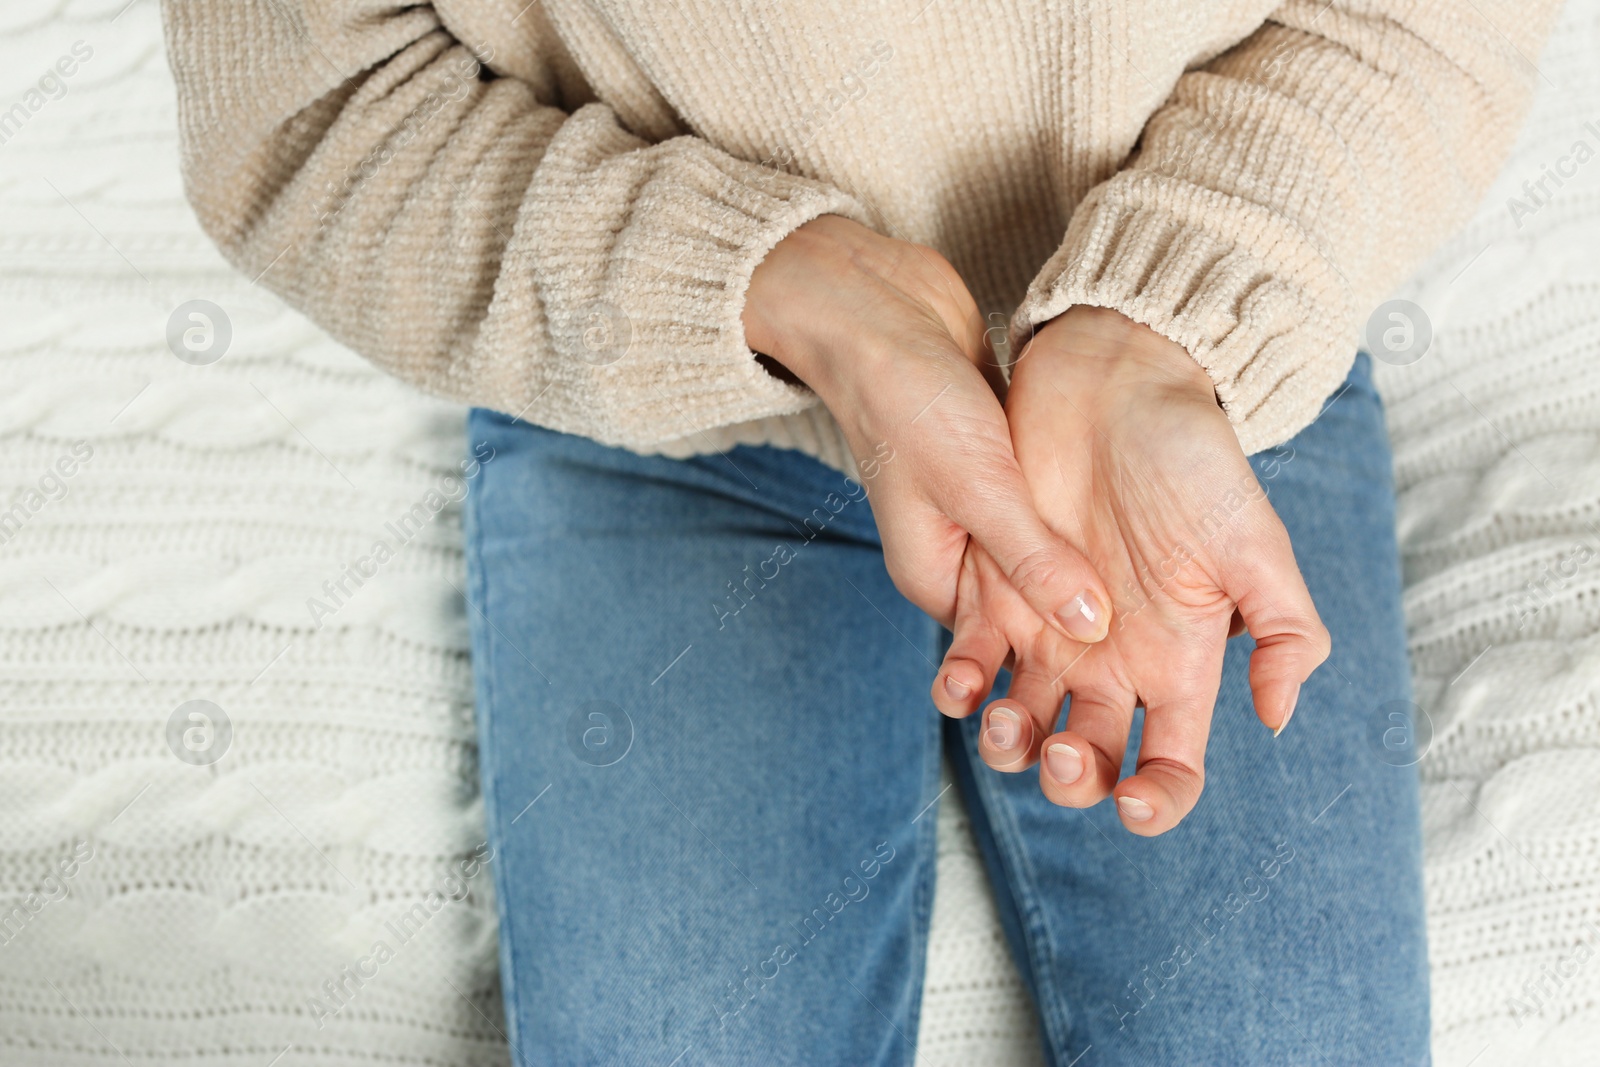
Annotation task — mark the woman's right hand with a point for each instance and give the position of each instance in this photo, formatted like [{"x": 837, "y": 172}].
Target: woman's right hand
[{"x": 887, "y": 335}]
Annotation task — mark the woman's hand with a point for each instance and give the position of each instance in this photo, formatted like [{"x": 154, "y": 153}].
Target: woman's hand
[
  {"x": 1128, "y": 456},
  {"x": 887, "y": 335}
]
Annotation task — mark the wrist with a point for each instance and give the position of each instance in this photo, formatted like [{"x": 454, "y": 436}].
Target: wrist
[
  {"x": 787, "y": 315},
  {"x": 1101, "y": 347}
]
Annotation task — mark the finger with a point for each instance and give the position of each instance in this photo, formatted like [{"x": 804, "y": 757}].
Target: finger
[
  {"x": 976, "y": 651},
  {"x": 967, "y": 674},
  {"x": 1040, "y": 689},
  {"x": 1052, "y": 576},
  {"x": 1080, "y": 765},
  {"x": 1034, "y": 700},
  {"x": 1172, "y": 748},
  {"x": 1006, "y": 741},
  {"x": 1291, "y": 642}
]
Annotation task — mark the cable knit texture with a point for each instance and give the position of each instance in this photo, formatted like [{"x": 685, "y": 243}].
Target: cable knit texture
[
  {"x": 567, "y": 230},
  {"x": 155, "y": 912}
]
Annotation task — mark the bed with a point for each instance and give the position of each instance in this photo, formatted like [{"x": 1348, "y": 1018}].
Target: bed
[{"x": 218, "y": 795}]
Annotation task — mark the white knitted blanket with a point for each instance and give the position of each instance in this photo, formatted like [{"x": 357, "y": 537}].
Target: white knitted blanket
[{"x": 198, "y": 883}]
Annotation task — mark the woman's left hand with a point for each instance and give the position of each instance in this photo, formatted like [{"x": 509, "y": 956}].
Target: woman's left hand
[{"x": 1130, "y": 459}]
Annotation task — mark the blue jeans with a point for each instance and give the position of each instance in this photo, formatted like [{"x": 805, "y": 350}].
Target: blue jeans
[{"x": 710, "y": 766}]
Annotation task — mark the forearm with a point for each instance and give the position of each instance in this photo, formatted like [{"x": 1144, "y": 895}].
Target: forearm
[
  {"x": 457, "y": 227},
  {"x": 1292, "y": 181}
]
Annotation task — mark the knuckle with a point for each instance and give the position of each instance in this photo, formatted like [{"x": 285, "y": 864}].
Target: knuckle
[
  {"x": 1297, "y": 632},
  {"x": 1320, "y": 639},
  {"x": 1037, "y": 573},
  {"x": 1186, "y": 781}
]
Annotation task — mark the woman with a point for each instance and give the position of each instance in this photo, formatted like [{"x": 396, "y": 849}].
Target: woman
[{"x": 716, "y": 276}]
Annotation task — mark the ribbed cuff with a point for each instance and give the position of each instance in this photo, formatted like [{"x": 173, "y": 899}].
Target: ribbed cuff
[
  {"x": 1239, "y": 287},
  {"x": 673, "y": 278}
]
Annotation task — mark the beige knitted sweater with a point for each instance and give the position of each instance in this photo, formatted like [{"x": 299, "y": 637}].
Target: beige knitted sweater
[{"x": 566, "y": 231}]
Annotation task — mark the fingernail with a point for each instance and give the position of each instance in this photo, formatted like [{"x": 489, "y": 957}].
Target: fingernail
[
  {"x": 956, "y": 690},
  {"x": 1082, "y": 618},
  {"x": 1005, "y": 728},
  {"x": 1294, "y": 698},
  {"x": 1134, "y": 809},
  {"x": 1066, "y": 766}
]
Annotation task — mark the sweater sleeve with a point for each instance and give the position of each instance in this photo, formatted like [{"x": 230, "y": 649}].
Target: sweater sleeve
[
  {"x": 1290, "y": 183},
  {"x": 459, "y": 228}
]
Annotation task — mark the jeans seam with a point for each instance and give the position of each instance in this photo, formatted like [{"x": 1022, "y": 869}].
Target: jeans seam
[
  {"x": 478, "y": 587},
  {"x": 927, "y": 846}
]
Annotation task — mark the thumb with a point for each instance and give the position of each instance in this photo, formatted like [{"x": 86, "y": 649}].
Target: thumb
[
  {"x": 1276, "y": 607},
  {"x": 1051, "y": 575}
]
